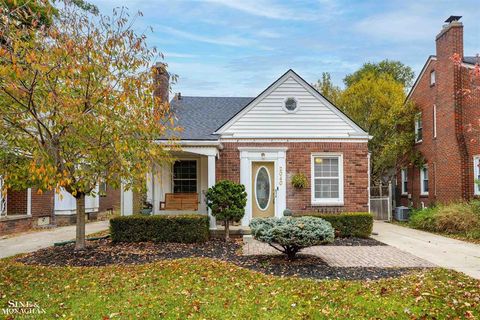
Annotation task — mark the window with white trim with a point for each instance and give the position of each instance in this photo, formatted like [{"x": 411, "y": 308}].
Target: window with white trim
[
  {"x": 424, "y": 180},
  {"x": 432, "y": 78},
  {"x": 434, "y": 121},
  {"x": 327, "y": 179},
  {"x": 418, "y": 128},
  {"x": 404, "y": 174},
  {"x": 476, "y": 175}
]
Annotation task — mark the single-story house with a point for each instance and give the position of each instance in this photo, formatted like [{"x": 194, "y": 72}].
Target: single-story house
[{"x": 262, "y": 142}]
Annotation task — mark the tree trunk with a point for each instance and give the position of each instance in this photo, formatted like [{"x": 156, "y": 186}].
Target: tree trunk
[
  {"x": 80, "y": 236},
  {"x": 227, "y": 230},
  {"x": 291, "y": 252}
]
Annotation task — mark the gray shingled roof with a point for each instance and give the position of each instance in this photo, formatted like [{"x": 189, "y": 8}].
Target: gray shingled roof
[
  {"x": 471, "y": 60},
  {"x": 200, "y": 117}
]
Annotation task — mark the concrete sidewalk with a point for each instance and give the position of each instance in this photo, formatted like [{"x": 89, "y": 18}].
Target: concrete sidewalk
[
  {"x": 33, "y": 241},
  {"x": 442, "y": 251}
]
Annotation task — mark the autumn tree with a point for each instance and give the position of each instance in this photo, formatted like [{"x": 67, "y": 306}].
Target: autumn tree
[
  {"x": 397, "y": 70},
  {"x": 77, "y": 105},
  {"x": 377, "y": 103},
  {"x": 326, "y": 87},
  {"x": 27, "y": 13}
]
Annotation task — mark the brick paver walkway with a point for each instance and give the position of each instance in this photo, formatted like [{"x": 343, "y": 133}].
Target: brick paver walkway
[{"x": 349, "y": 256}]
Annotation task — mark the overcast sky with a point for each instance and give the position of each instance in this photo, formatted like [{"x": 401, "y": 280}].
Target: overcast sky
[{"x": 239, "y": 47}]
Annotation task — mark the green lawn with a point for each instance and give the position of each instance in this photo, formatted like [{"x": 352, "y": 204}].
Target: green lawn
[{"x": 205, "y": 288}]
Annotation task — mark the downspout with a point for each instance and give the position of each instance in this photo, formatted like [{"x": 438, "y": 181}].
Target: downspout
[{"x": 459, "y": 132}]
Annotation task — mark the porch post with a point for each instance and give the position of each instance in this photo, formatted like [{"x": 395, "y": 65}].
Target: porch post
[
  {"x": 29, "y": 201},
  {"x": 211, "y": 183}
]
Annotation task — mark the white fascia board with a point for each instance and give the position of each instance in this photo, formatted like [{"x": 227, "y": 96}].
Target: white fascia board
[{"x": 193, "y": 143}]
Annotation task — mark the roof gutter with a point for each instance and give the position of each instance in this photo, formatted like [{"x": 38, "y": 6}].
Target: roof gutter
[{"x": 192, "y": 143}]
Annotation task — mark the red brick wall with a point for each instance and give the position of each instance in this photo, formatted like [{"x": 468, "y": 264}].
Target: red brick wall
[
  {"x": 16, "y": 202},
  {"x": 9, "y": 226},
  {"x": 111, "y": 200},
  {"x": 450, "y": 155},
  {"x": 355, "y": 157},
  {"x": 43, "y": 204},
  {"x": 471, "y": 124}
]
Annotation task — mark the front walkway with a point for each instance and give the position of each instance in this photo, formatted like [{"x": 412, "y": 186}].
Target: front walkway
[
  {"x": 33, "y": 241},
  {"x": 442, "y": 251},
  {"x": 348, "y": 256}
]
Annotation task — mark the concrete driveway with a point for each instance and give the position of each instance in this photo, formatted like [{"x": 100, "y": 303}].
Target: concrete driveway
[
  {"x": 442, "y": 251},
  {"x": 32, "y": 241}
]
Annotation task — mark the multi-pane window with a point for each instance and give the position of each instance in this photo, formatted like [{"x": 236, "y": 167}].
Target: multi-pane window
[
  {"x": 404, "y": 181},
  {"x": 476, "y": 173},
  {"x": 185, "y": 176},
  {"x": 424, "y": 180},
  {"x": 327, "y": 178},
  {"x": 432, "y": 78},
  {"x": 418, "y": 128}
]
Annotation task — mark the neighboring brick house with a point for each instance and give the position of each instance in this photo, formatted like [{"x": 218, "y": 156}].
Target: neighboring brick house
[
  {"x": 262, "y": 142},
  {"x": 444, "y": 134},
  {"x": 21, "y": 210}
]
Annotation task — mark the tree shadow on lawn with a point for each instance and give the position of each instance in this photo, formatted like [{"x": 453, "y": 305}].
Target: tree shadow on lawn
[{"x": 104, "y": 252}]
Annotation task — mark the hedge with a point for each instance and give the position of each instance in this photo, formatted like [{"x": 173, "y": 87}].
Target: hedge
[
  {"x": 348, "y": 224},
  {"x": 161, "y": 228}
]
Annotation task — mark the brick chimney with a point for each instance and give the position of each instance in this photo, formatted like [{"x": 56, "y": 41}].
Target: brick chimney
[
  {"x": 161, "y": 80},
  {"x": 450, "y": 40}
]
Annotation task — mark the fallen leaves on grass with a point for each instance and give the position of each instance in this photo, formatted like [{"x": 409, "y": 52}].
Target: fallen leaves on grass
[{"x": 211, "y": 289}]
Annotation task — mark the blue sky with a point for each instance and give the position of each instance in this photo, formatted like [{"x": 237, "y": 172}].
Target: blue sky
[{"x": 239, "y": 47}]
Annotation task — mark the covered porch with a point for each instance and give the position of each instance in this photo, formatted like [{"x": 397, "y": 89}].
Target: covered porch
[{"x": 180, "y": 187}]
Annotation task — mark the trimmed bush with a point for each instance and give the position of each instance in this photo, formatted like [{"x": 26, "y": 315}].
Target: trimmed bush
[
  {"x": 348, "y": 224},
  {"x": 289, "y": 234},
  {"x": 227, "y": 200},
  {"x": 162, "y": 228}
]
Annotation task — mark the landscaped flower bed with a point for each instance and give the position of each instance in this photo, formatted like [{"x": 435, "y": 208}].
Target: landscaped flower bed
[{"x": 104, "y": 252}]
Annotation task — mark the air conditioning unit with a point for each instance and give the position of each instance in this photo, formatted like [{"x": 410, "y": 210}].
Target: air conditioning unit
[{"x": 402, "y": 213}]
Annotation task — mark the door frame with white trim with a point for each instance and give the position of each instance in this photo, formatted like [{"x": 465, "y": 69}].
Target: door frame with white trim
[{"x": 277, "y": 155}]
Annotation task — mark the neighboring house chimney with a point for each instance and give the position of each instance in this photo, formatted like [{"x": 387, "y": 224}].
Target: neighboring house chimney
[
  {"x": 450, "y": 40},
  {"x": 162, "y": 82}
]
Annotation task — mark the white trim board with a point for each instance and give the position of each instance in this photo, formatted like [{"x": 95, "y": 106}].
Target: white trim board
[
  {"x": 240, "y": 140},
  {"x": 278, "y": 157}
]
